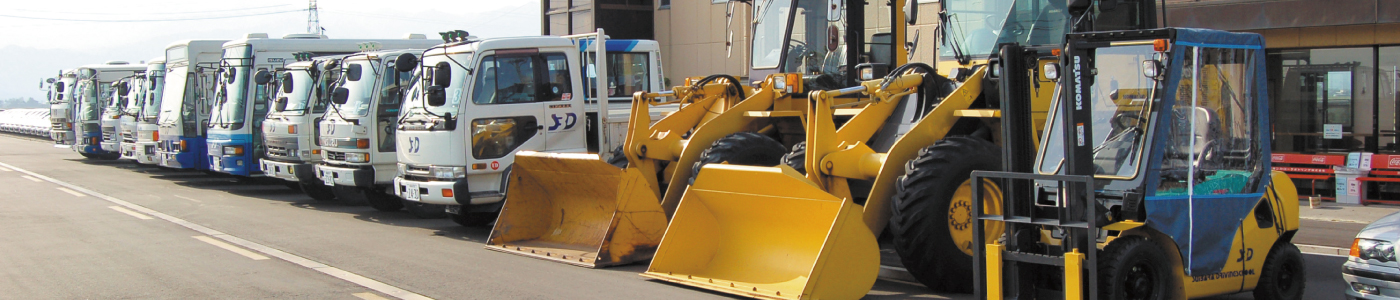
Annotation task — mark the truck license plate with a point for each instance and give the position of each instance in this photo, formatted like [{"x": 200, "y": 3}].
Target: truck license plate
[{"x": 410, "y": 191}]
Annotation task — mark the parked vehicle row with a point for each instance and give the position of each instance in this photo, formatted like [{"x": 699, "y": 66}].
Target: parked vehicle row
[{"x": 26, "y": 121}]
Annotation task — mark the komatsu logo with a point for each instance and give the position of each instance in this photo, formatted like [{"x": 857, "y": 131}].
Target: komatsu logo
[{"x": 1078, "y": 85}]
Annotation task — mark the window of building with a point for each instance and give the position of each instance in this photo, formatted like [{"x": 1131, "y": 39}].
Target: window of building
[{"x": 1314, "y": 89}]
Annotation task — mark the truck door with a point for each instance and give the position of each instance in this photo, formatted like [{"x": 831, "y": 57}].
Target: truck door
[
  {"x": 506, "y": 112},
  {"x": 565, "y": 123}
]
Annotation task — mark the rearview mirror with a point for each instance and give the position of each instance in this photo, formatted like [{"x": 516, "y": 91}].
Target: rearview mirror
[
  {"x": 1152, "y": 68},
  {"x": 151, "y": 84},
  {"x": 280, "y": 104},
  {"x": 60, "y": 87},
  {"x": 286, "y": 83},
  {"x": 833, "y": 10},
  {"x": 340, "y": 95},
  {"x": 442, "y": 74},
  {"x": 123, "y": 88},
  {"x": 48, "y": 80},
  {"x": 262, "y": 77},
  {"x": 230, "y": 74},
  {"x": 405, "y": 62},
  {"x": 437, "y": 96},
  {"x": 911, "y": 11},
  {"x": 353, "y": 72}
]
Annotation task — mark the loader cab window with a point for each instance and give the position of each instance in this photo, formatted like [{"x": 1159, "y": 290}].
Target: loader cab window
[
  {"x": 976, "y": 27},
  {"x": 1122, "y": 100},
  {"x": 1211, "y": 146},
  {"x": 627, "y": 73},
  {"x": 507, "y": 79},
  {"x": 770, "y": 25}
]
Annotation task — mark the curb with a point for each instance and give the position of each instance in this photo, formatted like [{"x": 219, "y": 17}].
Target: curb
[{"x": 1323, "y": 250}]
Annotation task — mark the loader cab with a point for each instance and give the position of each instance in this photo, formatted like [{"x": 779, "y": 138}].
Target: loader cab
[{"x": 810, "y": 37}]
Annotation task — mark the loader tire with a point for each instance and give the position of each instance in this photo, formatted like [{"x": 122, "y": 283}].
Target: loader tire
[
  {"x": 797, "y": 158},
  {"x": 474, "y": 219},
  {"x": 381, "y": 201},
  {"x": 1283, "y": 276},
  {"x": 923, "y": 219},
  {"x": 1133, "y": 268},
  {"x": 742, "y": 148},
  {"x": 317, "y": 191}
]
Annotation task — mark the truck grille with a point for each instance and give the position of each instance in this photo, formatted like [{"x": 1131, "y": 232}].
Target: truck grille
[
  {"x": 332, "y": 155},
  {"x": 280, "y": 151}
]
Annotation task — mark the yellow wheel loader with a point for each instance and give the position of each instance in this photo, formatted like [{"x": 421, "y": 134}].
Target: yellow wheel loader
[
  {"x": 1153, "y": 181},
  {"x": 583, "y": 210},
  {"x": 774, "y": 232}
]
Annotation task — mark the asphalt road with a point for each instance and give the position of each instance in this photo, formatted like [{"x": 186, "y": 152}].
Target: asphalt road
[{"x": 77, "y": 228}]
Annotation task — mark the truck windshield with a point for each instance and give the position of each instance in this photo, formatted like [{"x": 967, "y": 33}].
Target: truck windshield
[
  {"x": 92, "y": 99},
  {"x": 232, "y": 101},
  {"x": 975, "y": 27},
  {"x": 1121, "y": 99},
  {"x": 415, "y": 105},
  {"x": 301, "y": 92},
  {"x": 362, "y": 89},
  {"x": 179, "y": 87},
  {"x": 155, "y": 90}
]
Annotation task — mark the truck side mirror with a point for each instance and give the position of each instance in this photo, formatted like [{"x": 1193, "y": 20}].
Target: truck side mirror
[
  {"x": 123, "y": 88},
  {"x": 286, "y": 83},
  {"x": 437, "y": 96},
  {"x": 405, "y": 62},
  {"x": 353, "y": 72},
  {"x": 230, "y": 74},
  {"x": 262, "y": 77},
  {"x": 60, "y": 87},
  {"x": 280, "y": 104},
  {"x": 442, "y": 74},
  {"x": 340, "y": 95}
]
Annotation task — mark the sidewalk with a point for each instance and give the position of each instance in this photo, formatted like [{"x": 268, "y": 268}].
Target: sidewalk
[{"x": 1350, "y": 213}]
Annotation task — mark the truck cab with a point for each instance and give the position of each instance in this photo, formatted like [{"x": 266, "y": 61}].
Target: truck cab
[
  {"x": 94, "y": 93},
  {"x": 114, "y": 115},
  {"x": 189, "y": 86},
  {"x": 357, "y": 132},
  {"x": 290, "y": 131},
  {"x": 478, "y": 102},
  {"x": 240, "y": 104},
  {"x": 61, "y": 107},
  {"x": 139, "y": 131}
]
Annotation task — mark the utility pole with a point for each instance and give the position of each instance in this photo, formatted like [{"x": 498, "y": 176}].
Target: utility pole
[{"x": 313, "y": 20}]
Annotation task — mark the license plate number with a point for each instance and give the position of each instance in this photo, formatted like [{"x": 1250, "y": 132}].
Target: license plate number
[
  {"x": 410, "y": 191},
  {"x": 327, "y": 179}
]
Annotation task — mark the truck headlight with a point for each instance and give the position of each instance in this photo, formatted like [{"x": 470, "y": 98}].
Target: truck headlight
[
  {"x": 1379, "y": 250},
  {"x": 449, "y": 172},
  {"x": 233, "y": 150},
  {"x": 357, "y": 157}
]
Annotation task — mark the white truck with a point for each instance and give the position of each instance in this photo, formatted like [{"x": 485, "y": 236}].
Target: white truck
[
  {"x": 303, "y": 92},
  {"x": 61, "y": 107},
  {"x": 139, "y": 131},
  {"x": 478, "y": 102},
  {"x": 114, "y": 115},
  {"x": 92, "y": 95},
  {"x": 357, "y": 132},
  {"x": 234, "y": 143}
]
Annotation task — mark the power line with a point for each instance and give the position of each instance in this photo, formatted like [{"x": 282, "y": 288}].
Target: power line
[
  {"x": 151, "y": 13},
  {"x": 151, "y": 20}
]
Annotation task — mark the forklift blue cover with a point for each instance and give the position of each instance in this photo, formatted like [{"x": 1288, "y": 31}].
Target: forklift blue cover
[{"x": 1203, "y": 226}]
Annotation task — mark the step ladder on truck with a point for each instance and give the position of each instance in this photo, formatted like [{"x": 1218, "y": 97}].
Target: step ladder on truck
[
  {"x": 479, "y": 102},
  {"x": 1152, "y": 182}
]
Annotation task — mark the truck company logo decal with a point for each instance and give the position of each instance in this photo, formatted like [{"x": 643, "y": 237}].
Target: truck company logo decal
[
  {"x": 330, "y": 129},
  {"x": 413, "y": 144},
  {"x": 1222, "y": 275},
  {"x": 568, "y": 121}
]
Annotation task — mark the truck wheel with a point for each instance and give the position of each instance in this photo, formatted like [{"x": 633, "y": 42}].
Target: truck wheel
[
  {"x": 1283, "y": 276},
  {"x": 797, "y": 158},
  {"x": 425, "y": 210},
  {"x": 618, "y": 159},
  {"x": 474, "y": 219},
  {"x": 348, "y": 195},
  {"x": 381, "y": 201},
  {"x": 89, "y": 155},
  {"x": 1133, "y": 268},
  {"x": 742, "y": 148},
  {"x": 931, "y": 211},
  {"x": 319, "y": 192}
]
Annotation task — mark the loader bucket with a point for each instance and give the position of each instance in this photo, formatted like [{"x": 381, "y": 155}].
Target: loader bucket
[
  {"x": 576, "y": 209},
  {"x": 767, "y": 232}
]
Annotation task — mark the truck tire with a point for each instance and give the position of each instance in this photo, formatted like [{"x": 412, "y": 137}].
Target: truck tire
[
  {"x": 317, "y": 191},
  {"x": 1132, "y": 268},
  {"x": 742, "y": 148},
  {"x": 382, "y": 201},
  {"x": 1283, "y": 276},
  {"x": 425, "y": 210},
  {"x": 618, "y": 159},
  {"x": 474, "y": 219},
  {"x": 797, "y": 158},
  {"x": 348, "y": 195},
  {"x": 931, "y": 211}
]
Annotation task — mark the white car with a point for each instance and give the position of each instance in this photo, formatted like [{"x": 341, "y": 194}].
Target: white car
[{"x": 1371, "y": 271}]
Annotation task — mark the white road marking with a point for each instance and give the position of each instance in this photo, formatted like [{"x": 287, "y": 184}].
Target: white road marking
[
  {"x": 368, "y": 296},
  {"x": 6, "y": 169},
  {"x": 71, "y": 192},
  {"x": 301, "y": 261},
  {"x": 31, "y": 178},
  {"x": 129, "y": 212},
  {"x": 187, "y": 198},
  {"x": 230, "y": 248}
]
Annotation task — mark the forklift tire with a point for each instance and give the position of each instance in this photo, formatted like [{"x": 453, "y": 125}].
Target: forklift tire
[
  {"x": 922, "y": 206},
  {"x": 1132, "y": 268},
  {"x": 797, "y": 158},
  {"x": 381, "y": 201},
  {"x": 741, "y": 148},
  {"x": 474, "y": 219},
  {"x": 424, "y": 210},
  {"x": 1283, "y": 276},
  {"x": 318, "y": 192}
]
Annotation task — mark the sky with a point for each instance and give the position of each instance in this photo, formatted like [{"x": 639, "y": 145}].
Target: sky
[{"x": 39, "y": 38}]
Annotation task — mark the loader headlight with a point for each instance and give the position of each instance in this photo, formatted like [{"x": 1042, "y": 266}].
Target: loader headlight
[
  {"x": 449, "y": 172},
  {"x": 233, "y": 150},
  {"x": 1052, "y": 72},
  {"x": 357, "y": 157},
  {"x": 1367, "y": 249}
]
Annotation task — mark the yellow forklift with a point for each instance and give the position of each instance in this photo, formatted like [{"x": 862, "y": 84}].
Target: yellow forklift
[{"x": 1153, "y": 180}]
